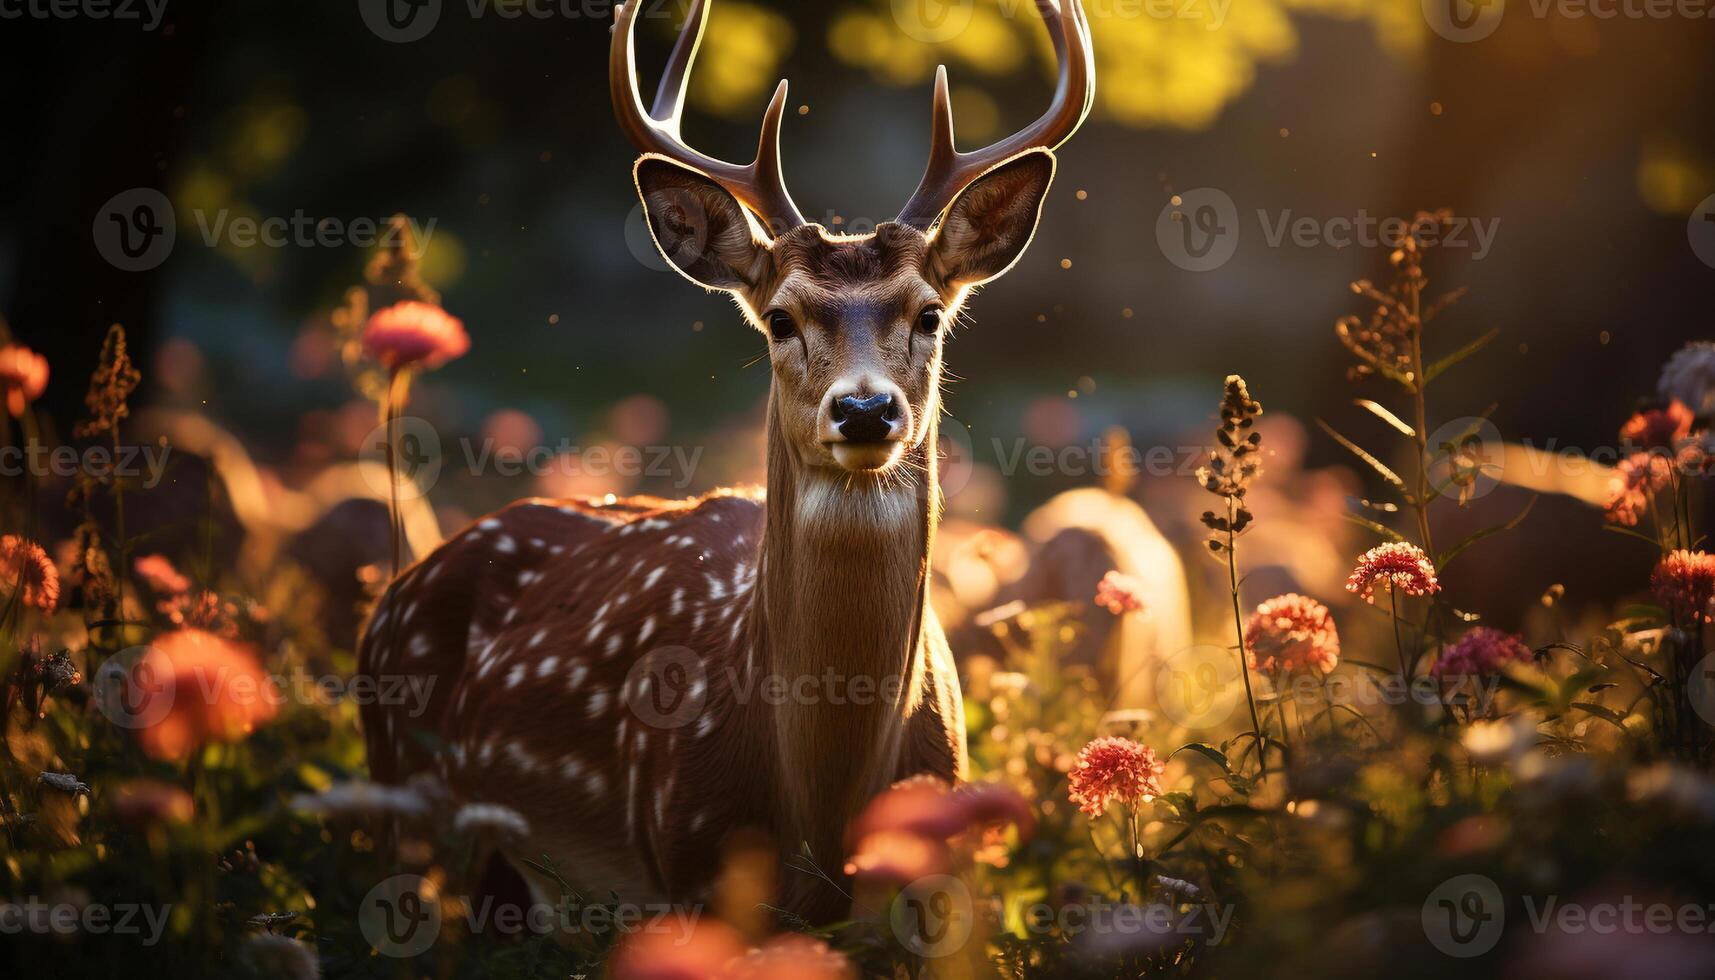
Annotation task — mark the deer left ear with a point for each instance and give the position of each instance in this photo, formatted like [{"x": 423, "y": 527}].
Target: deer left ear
[{"x": 987, "y": 227}]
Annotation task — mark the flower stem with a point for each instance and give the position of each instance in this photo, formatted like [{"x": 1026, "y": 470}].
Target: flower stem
[{"x": 1239, "y": 626}]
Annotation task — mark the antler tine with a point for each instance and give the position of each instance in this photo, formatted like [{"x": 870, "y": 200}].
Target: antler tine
[
  {"x": 758, "y": 185},
  {"x": 950, "y": 171}
]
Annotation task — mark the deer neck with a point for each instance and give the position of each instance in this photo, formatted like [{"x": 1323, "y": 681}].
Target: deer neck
[{"x": 842, "y": 594}]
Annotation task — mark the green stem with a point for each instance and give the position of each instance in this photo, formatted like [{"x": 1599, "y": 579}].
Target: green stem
[{"x": 1239, "y": 626}]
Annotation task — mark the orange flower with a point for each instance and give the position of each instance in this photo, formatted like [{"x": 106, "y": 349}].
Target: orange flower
[
  {"x": 409, "y": 334},
  {"x": 23, "y": 376},
  {"x": 196, "y": 687},
  {"x": 27, "y": 571},
  {"x": 1396, "y": 565},
  {"x": 792, "y": 957},
  {"x": 901, "y": 835},
  {"x": 1636, "y": 481},
  {"x": 1111, "y": 769},
  {"x": 1292, "y": 632},
  {"x": 653, "y": 954}
]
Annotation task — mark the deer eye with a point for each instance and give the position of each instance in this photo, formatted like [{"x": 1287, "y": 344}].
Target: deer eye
[
  {"x": 929, "y": 321},
  {"x": 780, "y": 325}
]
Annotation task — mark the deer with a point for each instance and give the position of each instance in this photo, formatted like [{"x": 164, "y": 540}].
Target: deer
[{"x": 566, "y": 638}]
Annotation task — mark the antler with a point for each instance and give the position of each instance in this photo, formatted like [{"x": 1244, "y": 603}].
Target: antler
[
  {"x": 950, "y": 171},
  {"x": 758, "y": 185}
]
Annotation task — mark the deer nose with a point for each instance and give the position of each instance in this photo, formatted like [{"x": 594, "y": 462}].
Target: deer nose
[{"x": 866, "y": 418}]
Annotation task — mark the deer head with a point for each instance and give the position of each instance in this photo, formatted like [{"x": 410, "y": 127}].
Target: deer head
[{"x": 855, "y": 323}]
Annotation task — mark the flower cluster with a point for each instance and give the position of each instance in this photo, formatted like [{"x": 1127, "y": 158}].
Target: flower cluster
[
  {"x": 1632, "y": 489},
  {"x": 413, "y": 334},
  {"x": 1292, "y": 632},
  {"x": 1396, "y": 565},
  {"x": 23, "y": 377},
  {"x": 1233, "y": 464},
  {"x": 1684, "y": 583},
  {"x": 27, "y": 573},
  {"x": 1482, "y": 653},
  {"x": 1657, "y": 428},
  {"x": 1114, "y": 770},
  {"x": 110, "y": 387},
  {"x": 1119, "y": 593},
  {"x": 196, "y": 687},
  {"x": 1384, "y": 343}
]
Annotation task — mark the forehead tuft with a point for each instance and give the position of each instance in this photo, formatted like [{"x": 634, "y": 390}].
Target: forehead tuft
[{"x": 849, "y": 260}]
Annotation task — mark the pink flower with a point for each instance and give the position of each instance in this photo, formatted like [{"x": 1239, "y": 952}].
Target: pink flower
[
  {"x": 411, "y": 333},
  {"x": 1482, "y": 652},
  {"x": 901, "y": 835},
  {"x": 1396, "y": 565},
  {"x": 1110, "y": 769},
  {"x": 1684, "y": 582},
  {"x": 1657, "y": 428},
  {"x": 1119, "y": 594},
  {"x": 659, "y": 954},
  {"x": 25, "y": 569},
  {"x": 23, "y": 376},
  {"x": 792, "y": 957},
  {"x": 1637, "y": 479},
  {"x": 158, "y": 573},
  {"x": 1292, "y": 632}
]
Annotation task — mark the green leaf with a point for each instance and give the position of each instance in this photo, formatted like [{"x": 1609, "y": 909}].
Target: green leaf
[
  {"x": 1434, "y": 370},
  {"x": 1381, "y": 529},
  {"x": 1380, "y": 467},
  {"x": 1207, "y": 751},
  {"x": 1380, "y": 412},
  {"x": 1608, "y": 715},
  {"x": 1476, "y": 536},
  {"x": 1628, "y": 532}
]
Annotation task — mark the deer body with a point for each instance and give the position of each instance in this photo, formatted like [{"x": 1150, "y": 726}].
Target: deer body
[{"x": 640, "y": 678}]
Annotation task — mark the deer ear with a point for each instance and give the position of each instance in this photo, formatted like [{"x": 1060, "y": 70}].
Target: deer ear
[
  {"x": 699, "y": 228},
  {"x": 987, "y": 227}
]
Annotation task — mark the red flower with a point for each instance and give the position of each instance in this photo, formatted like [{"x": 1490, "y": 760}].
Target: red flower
[
  {"x": 1657, "y": 428},
  {"x": 158, "y": 573},
  {"x": 1111, "y": 769},
  {"x": 1684, "y": 582},
  {"x": 1119, "y": 594},
  {"x": 1482, "y": 653},
  {"x": 150, "y": 802},
  {"x": 195, "y": 687},
  {"x": 411, "y": 333},
  {"x": 1396, "y": 565},
  {"x": 1292, "y": 632},
  {"x": 1637, "y": 479},
  {"x": 23, "y": 376},
  {"x": 27, "y": 571}
]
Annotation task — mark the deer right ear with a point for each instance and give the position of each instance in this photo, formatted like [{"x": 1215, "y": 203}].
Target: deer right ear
[{"x": 700, "y": 229}]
